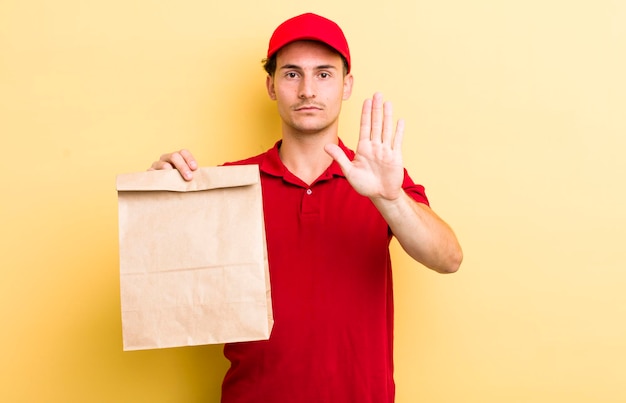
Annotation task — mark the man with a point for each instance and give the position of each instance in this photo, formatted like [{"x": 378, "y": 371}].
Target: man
[{"x": 330, "y": 214}]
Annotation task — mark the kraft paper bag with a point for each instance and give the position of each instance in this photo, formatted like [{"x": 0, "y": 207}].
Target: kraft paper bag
[{"x": 193, "y": 258}]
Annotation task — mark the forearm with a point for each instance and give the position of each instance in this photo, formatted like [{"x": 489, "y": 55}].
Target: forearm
[{"x": 422, "y": 233}]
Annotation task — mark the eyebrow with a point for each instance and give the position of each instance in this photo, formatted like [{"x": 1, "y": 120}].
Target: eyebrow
[{"x": 296, "y": 67}]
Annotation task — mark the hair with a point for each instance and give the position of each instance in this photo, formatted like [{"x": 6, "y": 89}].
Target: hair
[{"x": 269, "y": 64}]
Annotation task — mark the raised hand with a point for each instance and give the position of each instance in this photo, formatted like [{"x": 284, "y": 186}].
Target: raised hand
[{"x": 376, "y": 170}]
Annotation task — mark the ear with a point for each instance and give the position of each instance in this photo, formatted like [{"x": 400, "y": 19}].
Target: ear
[
  {"x": 269, "y": 84},
  {"x": 347, "y": 86}
]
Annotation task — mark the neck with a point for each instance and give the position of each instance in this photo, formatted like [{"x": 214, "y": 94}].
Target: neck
[{"x": 304, "y": 155}]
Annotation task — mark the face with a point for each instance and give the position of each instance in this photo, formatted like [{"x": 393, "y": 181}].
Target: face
[{"x": 309, "y": 86}]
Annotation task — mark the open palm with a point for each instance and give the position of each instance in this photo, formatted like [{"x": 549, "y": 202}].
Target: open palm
[{"x": 376, "y": 170}]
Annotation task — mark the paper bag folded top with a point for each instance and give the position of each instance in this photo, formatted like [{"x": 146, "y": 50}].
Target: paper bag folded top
[{"x": 193, "y": 258}]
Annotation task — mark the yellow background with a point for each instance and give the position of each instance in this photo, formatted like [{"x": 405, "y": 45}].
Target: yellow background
[{"x": 515, "y": 124}]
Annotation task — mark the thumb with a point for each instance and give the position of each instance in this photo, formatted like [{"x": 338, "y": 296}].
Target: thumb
[{"x": 338, "y": 155}]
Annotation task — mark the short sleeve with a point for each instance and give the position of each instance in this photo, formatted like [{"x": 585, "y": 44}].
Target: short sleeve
[{"x": 416, "y": 192}]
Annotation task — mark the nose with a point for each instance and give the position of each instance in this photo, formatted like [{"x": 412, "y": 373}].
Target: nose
[{"x": 307, "y": 88}]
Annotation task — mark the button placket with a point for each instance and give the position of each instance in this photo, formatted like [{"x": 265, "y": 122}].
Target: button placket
[{"x": 310, "y": 203}]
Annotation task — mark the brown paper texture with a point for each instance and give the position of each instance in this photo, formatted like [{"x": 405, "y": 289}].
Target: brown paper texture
[{"x": 193, "y": 258}]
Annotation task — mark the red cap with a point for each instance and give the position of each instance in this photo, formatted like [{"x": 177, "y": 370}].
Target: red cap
[{"x": 310, "y": 27}]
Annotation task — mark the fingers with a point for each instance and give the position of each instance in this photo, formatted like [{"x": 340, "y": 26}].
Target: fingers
[
  {"x": 158, "y": 165},
  {"x": 377, "y": 117},
  {"x": 387, "y": 129},
  {"x": 182, "y": 160},
  {"x": 397, "y": 138},
  {"x": 366, "y": 121},
  {"x": 338, "y": 155},
  {"x": 377, "y": 122}
]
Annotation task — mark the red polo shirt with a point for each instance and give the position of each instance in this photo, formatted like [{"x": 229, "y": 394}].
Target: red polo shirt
[{"x": 330, "y": 272}]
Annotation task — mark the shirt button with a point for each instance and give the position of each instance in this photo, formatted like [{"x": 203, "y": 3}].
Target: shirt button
[{"x": 309, "y": 191}]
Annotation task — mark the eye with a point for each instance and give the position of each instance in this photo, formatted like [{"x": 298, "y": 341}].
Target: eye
[
  {"x": 324, "y": 74},
  {"x": 291, "y": 74}
]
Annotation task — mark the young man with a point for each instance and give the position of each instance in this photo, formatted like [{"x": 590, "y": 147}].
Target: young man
[{"x": 330, "y": 214}]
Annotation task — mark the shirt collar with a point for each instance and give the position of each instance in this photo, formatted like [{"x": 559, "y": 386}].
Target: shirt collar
[{"x": 272, "y": 165}]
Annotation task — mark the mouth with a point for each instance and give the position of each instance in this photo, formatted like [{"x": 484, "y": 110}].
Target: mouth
[{"x": 307, "y": 108}]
